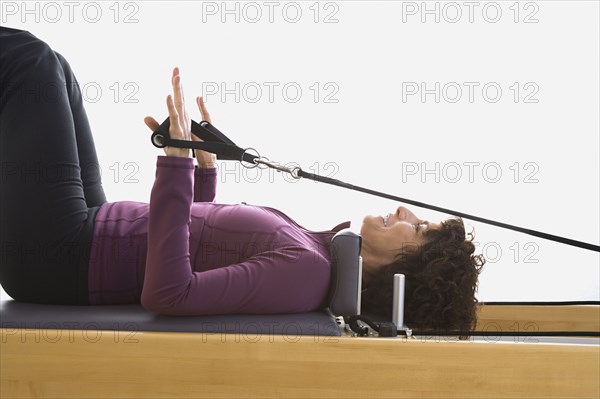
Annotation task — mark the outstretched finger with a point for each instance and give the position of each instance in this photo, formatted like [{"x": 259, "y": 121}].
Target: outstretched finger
[
  {"x": 203, "y": 111},
  {"x": 151, "y": 123},
  {"x": 178, "y": 92},
  {"x": 173, "y": 115}
]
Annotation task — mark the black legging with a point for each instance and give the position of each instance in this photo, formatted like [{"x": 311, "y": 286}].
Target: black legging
[{"x": 50, "y": 184}]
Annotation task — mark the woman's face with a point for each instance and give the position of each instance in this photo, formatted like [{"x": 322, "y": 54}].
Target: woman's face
[{"x": 386, "y": 236}]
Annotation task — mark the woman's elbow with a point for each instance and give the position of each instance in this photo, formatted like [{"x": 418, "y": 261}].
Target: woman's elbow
[
  {"x": 150, "y": 303},
  {"x": 154, "y": 304}
]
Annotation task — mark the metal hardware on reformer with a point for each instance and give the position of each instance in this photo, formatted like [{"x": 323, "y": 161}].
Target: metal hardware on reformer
[
  {"x": 275, "y": 165},
  {"x": 257, "y": 156}
]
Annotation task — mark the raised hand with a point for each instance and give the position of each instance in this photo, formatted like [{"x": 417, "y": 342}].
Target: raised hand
[{"x": 178, "y": 118}]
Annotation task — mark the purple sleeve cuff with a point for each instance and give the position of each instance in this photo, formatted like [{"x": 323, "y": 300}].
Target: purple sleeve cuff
[
  {"x": 174, "y": 162},
  {"x": 205, "y": 184}
]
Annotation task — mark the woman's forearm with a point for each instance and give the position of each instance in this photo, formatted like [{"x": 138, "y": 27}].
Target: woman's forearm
[
  {"x": 168, "y": 267},
  {"x": 205, "y": 184}
]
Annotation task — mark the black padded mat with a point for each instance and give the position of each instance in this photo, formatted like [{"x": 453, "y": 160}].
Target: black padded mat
[{"x": 19, "y": 315}]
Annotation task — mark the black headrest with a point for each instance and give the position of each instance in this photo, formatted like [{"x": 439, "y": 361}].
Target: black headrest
[{"x": 346, "y": 274}]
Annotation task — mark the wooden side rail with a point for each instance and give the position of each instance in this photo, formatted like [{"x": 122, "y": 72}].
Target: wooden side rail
[
  {"x": 110, "y": 364},
  {"x": 528, "y": 318}
]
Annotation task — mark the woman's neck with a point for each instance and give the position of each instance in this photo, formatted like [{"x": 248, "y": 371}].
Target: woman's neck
[{"x": 370, "y": 264}]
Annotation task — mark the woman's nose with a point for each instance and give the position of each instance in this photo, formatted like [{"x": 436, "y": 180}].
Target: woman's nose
[
  {"x": 404, "y": 214},
  {"x": 401, "y": 212}
]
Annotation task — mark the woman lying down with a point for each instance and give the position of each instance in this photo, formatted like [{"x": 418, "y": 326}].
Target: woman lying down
[{"x": 183, "y": 253}]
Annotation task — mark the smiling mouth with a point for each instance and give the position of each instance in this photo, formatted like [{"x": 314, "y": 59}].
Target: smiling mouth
[{"x": 385, "y": 219}]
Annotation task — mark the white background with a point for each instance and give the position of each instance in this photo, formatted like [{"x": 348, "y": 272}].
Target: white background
[{"x": 367, "y": 134}]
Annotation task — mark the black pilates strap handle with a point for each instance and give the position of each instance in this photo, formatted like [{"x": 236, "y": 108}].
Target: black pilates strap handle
[
  {"x": 213, "y": 141},
  {"x": 217, "y": 143}
]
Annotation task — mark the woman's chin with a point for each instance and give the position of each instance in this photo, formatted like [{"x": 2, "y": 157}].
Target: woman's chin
[{"x": 370, "y": 222}]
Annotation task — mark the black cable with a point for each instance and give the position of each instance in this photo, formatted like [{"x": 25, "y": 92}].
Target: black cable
[
  {"x": 535, "y": 233},
  {"x": 508, "y": 333},
  {"x": 564, "y": 303},
  {"x": 360, "y": 330},
  {"x": 217, "y": 143}
]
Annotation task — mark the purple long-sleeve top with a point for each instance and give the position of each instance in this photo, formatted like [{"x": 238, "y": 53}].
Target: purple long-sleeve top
[{"x": 184, "y": 254}]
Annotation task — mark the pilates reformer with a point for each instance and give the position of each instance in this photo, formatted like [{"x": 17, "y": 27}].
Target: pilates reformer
[{"x": 127, "y": 351}]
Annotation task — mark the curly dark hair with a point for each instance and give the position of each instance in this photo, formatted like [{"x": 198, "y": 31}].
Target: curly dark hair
[{"x": 440, "y": 281}]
